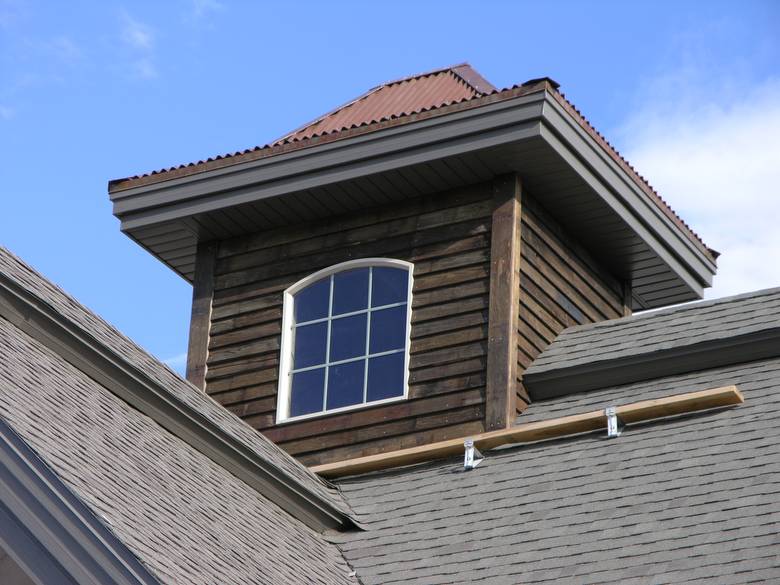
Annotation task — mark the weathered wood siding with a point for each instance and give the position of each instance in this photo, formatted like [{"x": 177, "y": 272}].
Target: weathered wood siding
[
  {"x": 560, "y": 286},
  {"x": 447, "y": 237}
]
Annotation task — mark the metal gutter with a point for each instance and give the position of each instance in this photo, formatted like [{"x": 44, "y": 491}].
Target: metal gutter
[
  {"x": 349, "y": 158},
  {"x": 646, "y": 366},
  {"x": 51, "y": 533},
  {"x": 109, "y": 369}
]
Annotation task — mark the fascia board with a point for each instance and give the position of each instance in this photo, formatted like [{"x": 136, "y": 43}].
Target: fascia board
[
  {"x": 50, "y": 532},
  {"x": 625, "y": 213},
  {"x": 393, "y": 148},
  {"x": 610, "y": 173},
  {"x": 137, "y": 389}
]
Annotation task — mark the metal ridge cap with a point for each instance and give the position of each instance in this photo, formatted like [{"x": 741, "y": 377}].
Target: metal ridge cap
[
  {"x": 76, "y": 345},
  {"x": 638, "y": 367}
]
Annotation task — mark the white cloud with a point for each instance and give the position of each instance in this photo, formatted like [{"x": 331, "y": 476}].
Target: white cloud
[
  {"x": 139, "y": 38},
  {"x": 714, "y": 155},
  {"x": 201, "y": 8},
  {"x": 10, "y": 12},
  {"x": 136, "y": 34},
  {"x": 144, "y": 68}
]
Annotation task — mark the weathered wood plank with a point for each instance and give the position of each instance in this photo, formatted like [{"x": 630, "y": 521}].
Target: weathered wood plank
[
  {"x": 414, "y": 207},
  {"x": 200, "y": 319},
  {"x": 385, "y": 445},
  {"x": 374, "y": 415},
  {"x": 542, "y": 430},
  {"x": 504, "y": 302}
]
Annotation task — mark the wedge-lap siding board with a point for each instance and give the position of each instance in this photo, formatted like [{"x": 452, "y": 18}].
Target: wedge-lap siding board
[{"x": 447, "y": 238}]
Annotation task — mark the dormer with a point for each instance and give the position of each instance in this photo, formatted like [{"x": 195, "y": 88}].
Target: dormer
[{"x": 381, "y": 277}]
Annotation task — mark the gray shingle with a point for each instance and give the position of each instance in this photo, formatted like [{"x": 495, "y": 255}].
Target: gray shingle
[
  {"x": 16, "y": 270},
  {"x": 691, "y": 499},
  {"x": 669, "y": 329},
  {"x": 185, "y": 517}
]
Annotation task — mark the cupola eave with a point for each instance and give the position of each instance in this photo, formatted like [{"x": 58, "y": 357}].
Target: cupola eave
[{"x": 531, "y": 132}]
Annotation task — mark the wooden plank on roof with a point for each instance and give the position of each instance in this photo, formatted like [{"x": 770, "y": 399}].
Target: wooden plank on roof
[{"x": 538, "y": 431}]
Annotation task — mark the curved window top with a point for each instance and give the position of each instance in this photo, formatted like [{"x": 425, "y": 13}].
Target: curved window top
[{"x": 346, "y": 338}]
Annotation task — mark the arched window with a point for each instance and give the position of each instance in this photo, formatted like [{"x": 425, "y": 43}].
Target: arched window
[{"x": 345, "y": 338}]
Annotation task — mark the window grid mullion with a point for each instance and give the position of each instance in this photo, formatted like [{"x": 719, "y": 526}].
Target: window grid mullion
[
  {"x": 350, "y": 314},
  {"x": 327, "y": 346},
  {"x": 368, "y": 333},
  {"x": 348, "y": 360}
]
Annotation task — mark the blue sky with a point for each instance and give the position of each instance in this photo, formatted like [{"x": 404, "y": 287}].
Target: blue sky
[{"x": 91, "y": 91}]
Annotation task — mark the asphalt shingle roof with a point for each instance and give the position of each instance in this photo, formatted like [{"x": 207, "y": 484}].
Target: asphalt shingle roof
[
  {"x": 668, "y": 330},
  {"x": 16, "y": 270},
  {"x": 685, "y": 500},
  {"x": 187, "y": 519}
]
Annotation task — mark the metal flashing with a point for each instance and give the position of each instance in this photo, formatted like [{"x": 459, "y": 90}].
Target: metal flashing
[
  {"x": 614, "y": 423},
  {"x": 471, "y": 456}
]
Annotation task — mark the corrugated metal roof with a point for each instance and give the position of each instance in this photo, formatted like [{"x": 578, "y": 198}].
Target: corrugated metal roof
[
  {"x": 403, "y": 101},
  {"x": 401, "y": 97}
]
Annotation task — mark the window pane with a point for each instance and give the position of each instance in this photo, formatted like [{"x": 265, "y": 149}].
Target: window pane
[
  {"x": 345, "y": 384},
  {"x": 389, "y": 285},
  {"x": 312, "y": 302},
  {"x": 350, "y": 291},
  {"x": 388, "y": 329},
  {"x": 307, "y": 392},
  {"x": 310, "y": 345},
  {"x": 385, "y": 376},
  {"x": 347, "y": 337}
]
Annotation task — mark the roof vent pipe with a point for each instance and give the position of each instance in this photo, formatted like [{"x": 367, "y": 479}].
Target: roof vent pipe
[
  {"x": 614, "y": 423},
  {"x": 472, "y": 456}
]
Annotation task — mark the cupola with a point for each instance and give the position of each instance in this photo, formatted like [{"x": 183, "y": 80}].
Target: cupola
[{"x": 381, "y": 277}]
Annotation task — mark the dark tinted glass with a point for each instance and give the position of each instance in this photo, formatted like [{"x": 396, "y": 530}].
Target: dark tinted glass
[
  {"x": 312, "y": 302},
  {"x": 388, "y": 329},
  {"x": 389, "y": 285},
  {"x": 350, "y": 291},
  {"x": 310, "y": 345},
  {"x": 345, "y": 384},
  {"x": 385, "y": 376},
  {"x": 347, "y": 337},
  {"x": 307, "y": 392}
]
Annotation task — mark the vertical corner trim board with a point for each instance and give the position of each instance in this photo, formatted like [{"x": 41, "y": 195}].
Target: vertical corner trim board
[
  {"x": 504, "y": 302},
  {"x": 200, "y": 321}
]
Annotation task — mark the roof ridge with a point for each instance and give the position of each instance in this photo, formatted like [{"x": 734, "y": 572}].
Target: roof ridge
[
  {"x": 423, "y": 74},
  {"x": 470, "y": 79},
  {"x": 657, "y": 313}
]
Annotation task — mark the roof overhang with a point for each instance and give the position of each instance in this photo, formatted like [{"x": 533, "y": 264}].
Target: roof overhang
[{"x": 561, "y": 164}]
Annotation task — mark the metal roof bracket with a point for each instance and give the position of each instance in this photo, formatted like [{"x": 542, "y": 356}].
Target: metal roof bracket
[
  {"x": 614, "y": 424},
  {"x": 472, "y": 456}
]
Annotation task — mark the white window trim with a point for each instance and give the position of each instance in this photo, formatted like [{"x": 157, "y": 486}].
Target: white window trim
[{"x": 288, "y": 321}]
